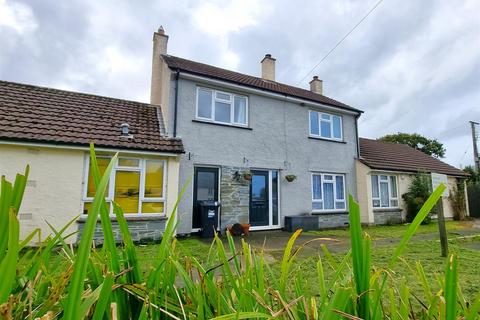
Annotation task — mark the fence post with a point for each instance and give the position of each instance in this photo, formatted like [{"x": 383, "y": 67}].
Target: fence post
[{"x": 442, "y": 230}]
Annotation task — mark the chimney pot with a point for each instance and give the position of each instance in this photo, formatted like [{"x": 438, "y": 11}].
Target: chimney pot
[
  {"x": 161, "y": 30},
  {"x": 316, "y": 85},
  {"x": 268, "y": 67}
]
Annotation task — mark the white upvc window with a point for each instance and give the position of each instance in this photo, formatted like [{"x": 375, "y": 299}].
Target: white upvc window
[
  {"x": 328, "y": 192},
  {"x": 221, "y": 107},
  {"x": 384, "y": 191},
  {"x": 325, "y": 125},
  {"x": 137, "y": 185}
]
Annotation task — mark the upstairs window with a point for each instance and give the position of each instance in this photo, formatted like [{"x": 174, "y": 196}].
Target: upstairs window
[
  {"x": 328, "y": 192},
  {"x": 222, "y": 107},
  {"x": 384, "y": 191},
  {"x": 324, "y": 125}
]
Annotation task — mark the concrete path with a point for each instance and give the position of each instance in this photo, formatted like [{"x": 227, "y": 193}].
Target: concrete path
[{"x": 274, "y": 242}]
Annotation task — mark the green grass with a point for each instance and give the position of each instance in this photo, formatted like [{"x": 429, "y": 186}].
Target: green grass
[
  {"x": 425, "y": 251},
  {"x": 228, "y": 279},
  {"x": 395, "y": 231}
]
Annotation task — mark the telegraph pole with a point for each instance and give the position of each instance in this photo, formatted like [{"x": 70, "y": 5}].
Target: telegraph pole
[{"x": 475, "y": 146}]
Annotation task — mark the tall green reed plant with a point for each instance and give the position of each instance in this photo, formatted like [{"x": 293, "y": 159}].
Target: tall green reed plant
[{"x": 235, "y": 281}]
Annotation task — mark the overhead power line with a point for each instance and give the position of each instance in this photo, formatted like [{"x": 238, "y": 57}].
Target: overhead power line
[{"x": 341, "y": 40}]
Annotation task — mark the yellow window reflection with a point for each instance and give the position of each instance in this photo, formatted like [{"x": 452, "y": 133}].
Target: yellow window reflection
[
  {"x": 127, "y": 190},
  {"x": 154, "y": 179},
  {"x": 88, "y": 205},
  {"x": 102, "y": 166},
  {"x": 152, "y": 207},
  {"x": 125, "y": 162}
]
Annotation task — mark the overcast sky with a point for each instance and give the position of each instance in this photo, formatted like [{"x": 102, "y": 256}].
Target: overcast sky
[{"x": 412, "y": 66}]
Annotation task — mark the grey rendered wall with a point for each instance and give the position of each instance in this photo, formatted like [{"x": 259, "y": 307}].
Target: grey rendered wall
[{"x": 278, "y": 140}]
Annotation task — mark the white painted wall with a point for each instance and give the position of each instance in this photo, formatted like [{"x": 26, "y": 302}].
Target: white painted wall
[
  {"x": 56, "y": 184},
  {"x": 54, "y": 187},
  {"x": 364, "y": 190}
]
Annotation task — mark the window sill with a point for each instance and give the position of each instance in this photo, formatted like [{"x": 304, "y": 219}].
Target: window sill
[
  {"x": 325, "y": 139},
  {"x": 222, "y": 124},
  {"x": 387, "y": 209},
  {"x": 132, "y": 217},
  {"x": 325, "y": 213}
]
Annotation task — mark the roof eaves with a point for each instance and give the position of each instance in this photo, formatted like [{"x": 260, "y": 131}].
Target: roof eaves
[
  {"x": 176, "y": 67},
  {"x": 348, "y": 108}
]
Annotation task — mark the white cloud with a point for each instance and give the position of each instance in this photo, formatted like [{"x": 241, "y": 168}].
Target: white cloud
[
  {"x": 222, "y": 17},
  {"x": 412, "y": 66},
  {"x": 17, "y": 16}
]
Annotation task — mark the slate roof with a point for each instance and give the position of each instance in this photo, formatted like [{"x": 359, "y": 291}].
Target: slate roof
[
  {"x": 251, "y": 81},
  {"x": 400, "y": 157},
  {"x": 43, "y": 115}
]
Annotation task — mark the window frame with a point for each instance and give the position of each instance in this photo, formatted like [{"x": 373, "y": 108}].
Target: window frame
[
  {"x": 231, "y": 102},
  {"x": 319, "y": 135},
  {"x": 335, "y": 200},
  {"x": 390, "y": 195},
  {"x": 111, "y": 185}
]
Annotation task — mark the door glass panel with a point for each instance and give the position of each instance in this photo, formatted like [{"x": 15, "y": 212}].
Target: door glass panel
[
  {"x": 154, "y": 179},
  {"x": 328, "y": 195},
  {"x": 275, "y": 197},
  {"x": 127, "y": 189},
  {"x": 222, "y": 112},
  {"x": 259, "y": 199},
  {"x": 205, "y": 186},
  {"x": 152, "y": 207},
  {"x": 259, "y": 187},
  {"x": 102, "y": 165}
]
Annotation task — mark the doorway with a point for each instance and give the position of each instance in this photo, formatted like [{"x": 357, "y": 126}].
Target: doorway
[
  {"x": 205, "y": 187},
  {"x": 264, "y": 200}
]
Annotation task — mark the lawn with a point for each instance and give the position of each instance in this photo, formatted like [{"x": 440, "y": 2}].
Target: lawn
[
  {"x": 421, "y": 248},
  {"x": 395, "y": 231}
]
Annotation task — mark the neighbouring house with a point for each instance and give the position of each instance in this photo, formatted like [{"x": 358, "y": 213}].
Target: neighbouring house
[
  {"x": 243, "y": 135},
  {"x": 50, "y": 130},
  {"x": 384, "y": 173}
]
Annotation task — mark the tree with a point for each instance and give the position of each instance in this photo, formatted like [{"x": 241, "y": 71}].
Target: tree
[
  {"x": 429, "y": 146},
  {"x": 474, "y": 175},
  {"x": 418, "y": 192}
]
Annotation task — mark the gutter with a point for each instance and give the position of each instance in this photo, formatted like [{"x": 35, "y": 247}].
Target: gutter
[
  {"x": 175, "y": 110},
  {"x": 87, "y": 148},
  {"x": 356, "y": 133}
]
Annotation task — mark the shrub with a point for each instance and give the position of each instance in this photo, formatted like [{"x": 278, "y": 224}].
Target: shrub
[
  {"x": 418, "y": 193},
  {"x": 458, "y": 201}
]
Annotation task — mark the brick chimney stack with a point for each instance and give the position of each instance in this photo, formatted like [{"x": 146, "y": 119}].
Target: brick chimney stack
[
  {"x": 160, "y": 41},
  {"x": 268, "y": 67},
  {"x": 316, "y": 85}
]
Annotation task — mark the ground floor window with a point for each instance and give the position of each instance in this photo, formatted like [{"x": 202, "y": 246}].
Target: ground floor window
[
  {"x": 328, "y": 192},
  {"x": 137, "y": 185},
  {"x": 384, "y": 191}
]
